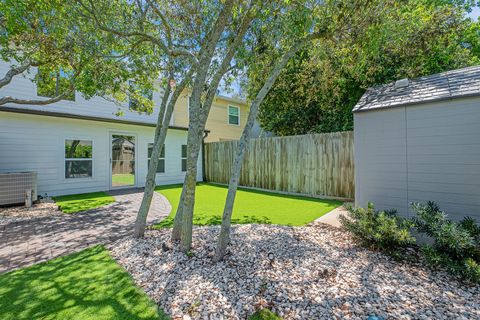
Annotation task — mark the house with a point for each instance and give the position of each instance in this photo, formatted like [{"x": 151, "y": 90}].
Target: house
[
  {"x": 78, "y": 145},
  {"x": 225, "y": 122},
  {"x": 419, "y": 140}
]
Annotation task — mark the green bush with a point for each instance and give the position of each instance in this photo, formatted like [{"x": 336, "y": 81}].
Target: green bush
[
  {"x": 381, "y": 230},
  {"x": 456, "y": 245},
  {"x": 264, "y": 314}
]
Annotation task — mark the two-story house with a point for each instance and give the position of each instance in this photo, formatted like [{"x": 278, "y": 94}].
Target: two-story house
[{"x": 78, "y": 145}]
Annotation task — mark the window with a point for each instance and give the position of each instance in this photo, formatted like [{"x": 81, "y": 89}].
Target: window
[
  {"x": 78, "y": 159},
  {"x": 52, "y": 83},
  {"x": 134, "y": 104},
  {"x": 161, "y": 158},
  {"x": 184, "y": 157},
  {"x": 233, "y": 115}
]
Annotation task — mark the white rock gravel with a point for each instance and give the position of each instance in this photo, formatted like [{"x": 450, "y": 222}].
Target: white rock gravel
[
  {"x": 316, "y": 273},
  {"x": 17, "y": 213}
]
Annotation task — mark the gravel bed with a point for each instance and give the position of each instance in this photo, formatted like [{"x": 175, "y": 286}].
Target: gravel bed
[
  {"x": 19, "y": 213},
  {"x": 312, "y": 272}
]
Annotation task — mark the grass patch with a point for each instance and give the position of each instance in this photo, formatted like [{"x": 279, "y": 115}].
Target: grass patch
[
  {"x": 251, "y": 206},
  {"x": 81, "y": 202},
  {"x": 264, "y": 314},
  {"x": 124, "y": 179},
  {"x": 85, "y": 285}
]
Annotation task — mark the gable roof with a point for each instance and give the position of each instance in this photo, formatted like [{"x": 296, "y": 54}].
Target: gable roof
[{"x": 446, "y": 85}]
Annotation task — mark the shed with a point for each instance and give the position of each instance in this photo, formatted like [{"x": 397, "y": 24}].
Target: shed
[{"x": 418, "y": 140}]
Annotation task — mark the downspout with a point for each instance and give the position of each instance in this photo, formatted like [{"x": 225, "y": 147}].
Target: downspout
[{"x": 205, "y": 135}]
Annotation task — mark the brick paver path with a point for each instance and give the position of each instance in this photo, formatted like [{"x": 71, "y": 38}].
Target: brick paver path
[{"x": 33, "y": 240}]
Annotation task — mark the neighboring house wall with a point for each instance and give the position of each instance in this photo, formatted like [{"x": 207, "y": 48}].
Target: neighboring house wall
[
  {"x": 36, "y": 143},
  {"x": 217, "y": 122},
  {"x": 418, "y": 153}
]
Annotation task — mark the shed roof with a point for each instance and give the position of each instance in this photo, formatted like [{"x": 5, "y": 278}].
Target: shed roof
[{"x": 446, "y": 85}]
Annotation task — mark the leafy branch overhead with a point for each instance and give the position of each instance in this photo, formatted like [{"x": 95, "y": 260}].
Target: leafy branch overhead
[
  {"x": 52, "y": 40},
  {"x": 319, "y": 87}
]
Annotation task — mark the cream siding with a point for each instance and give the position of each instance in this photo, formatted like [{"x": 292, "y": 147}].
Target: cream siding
[{"x": 217, "y": 122}]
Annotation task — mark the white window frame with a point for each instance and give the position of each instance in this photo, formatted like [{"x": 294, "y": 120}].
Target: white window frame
[
  {"x": 228, "y": 115},
  {"x": 65, "y": 159},
  {"x": 159, "y": 158}
]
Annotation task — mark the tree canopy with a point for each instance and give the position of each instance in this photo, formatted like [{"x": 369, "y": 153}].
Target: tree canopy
[
  {"x": 319, "y": 87},
  {"x": 55, "y": 37}
]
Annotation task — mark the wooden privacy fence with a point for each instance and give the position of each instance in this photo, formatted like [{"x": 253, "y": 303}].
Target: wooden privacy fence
[{"x": 314, "y": 164}]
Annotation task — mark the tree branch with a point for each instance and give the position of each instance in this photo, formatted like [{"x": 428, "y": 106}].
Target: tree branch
[
  {"x": 128, "y": 34},
  {"x": 225, "y": 65},
  {"x": 224, "y": 237},
  {"x": 36, "y": 102},
  {"x": 15, "y": 71},
  {"x": 135, "y": 45},
  {"x": 168, "y": 29},
  {"x": 9, "y": 99}
]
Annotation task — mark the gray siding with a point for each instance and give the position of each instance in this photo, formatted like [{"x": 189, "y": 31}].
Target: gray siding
[
  {"x": 23, "y": 87},
  {"x": 37, "y": 143},
  {"x": 441, "y": 148},
  {"x": 380, "y": 159}
]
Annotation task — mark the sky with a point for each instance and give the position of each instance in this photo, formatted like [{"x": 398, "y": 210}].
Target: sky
[{"x": 475, "y": 13}]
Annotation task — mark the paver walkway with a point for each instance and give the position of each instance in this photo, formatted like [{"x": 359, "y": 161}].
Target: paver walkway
[{"x": 27, "y": 241}]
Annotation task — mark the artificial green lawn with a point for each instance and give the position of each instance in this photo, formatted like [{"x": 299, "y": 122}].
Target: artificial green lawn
[
  {"x": 82, "y": 202},
  {"x": 85, "y": 285},
  {"x": 126, "y": 179},
  {"x": 251, "y": 206}
]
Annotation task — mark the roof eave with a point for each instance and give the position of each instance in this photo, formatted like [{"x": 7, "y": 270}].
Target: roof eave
[
  {"x": 357, "y": 110},
  {"x": 84, "y": 117}
]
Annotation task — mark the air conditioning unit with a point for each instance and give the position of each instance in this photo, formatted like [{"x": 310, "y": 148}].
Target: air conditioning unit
[{"x": 13, "y": 186}]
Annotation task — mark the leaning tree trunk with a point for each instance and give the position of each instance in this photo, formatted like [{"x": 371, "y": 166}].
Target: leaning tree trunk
[
  {"x": 198, "y": 119},
  {"x": 164, "y": 117},
  {"x": 224, "y": 237},
  {"x": 160, "y": 131},
  {"x": 177, "y": 222},
  {"x": 190, "y": 187}
]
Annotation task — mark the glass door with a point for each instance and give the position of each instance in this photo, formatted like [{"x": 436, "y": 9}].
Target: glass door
[{"x": 123, "y": 160}]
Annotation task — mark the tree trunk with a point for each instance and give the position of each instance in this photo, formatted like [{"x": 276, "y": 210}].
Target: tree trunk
[
  {"x": 224, "y": 237},
  {"x": 177, "y": 222},
  {"x": 190, "y": 187},
  {"x": 165, "y": 114},
  {"x": 198, "y": 118},
  {"x": 159, "y": 140}
]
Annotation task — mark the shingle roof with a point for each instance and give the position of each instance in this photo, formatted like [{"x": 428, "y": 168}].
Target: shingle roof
[{"x": 447, "y": 85}]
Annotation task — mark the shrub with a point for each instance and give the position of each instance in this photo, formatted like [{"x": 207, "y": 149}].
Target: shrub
[
  {"x": 381, "y": 230},
  {"x": 456, "y": 246},
  {"x": 469, "y": 224},
  {"x": 264, "y": 314}
]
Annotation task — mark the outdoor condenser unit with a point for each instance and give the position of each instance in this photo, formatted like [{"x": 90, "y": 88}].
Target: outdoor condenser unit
[{"x": 13, "y": 186}]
